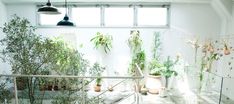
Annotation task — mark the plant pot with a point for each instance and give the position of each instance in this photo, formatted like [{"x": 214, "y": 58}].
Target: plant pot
[
  {"x": 56, "y": 87},
  {"x": 154, "y": 84},
  {"x": 97, "y": 88},
  {"x": 42, "y": 88},
  {"x": 49, "y": 87},
  {"x": 20, "y": 82}
]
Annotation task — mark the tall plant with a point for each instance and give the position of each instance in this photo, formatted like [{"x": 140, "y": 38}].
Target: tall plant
[
  {"x": 30, "y": 54},
  {"x": 155, "y": 65},
  {"x": 138, "y": 55}
]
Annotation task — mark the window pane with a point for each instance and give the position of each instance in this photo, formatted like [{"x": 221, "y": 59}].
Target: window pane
[
  {"x": 152, "y": 16},
  {"x": 118, "y": 17},
  {"x": 86, "y": 16},
  {"x": 46, "y": 19}
]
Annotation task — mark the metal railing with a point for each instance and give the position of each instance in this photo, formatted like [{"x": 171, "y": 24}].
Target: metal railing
[{"x": 139, "y": 75}]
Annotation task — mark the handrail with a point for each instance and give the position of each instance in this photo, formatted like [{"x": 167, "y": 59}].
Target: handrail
[
  {"x": 137, "y": 77},
  {"x": 139, "y": 70},
  {"x": 68, "y": 76}
]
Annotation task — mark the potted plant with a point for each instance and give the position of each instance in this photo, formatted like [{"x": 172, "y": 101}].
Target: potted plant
[
  {"x": 167, "y": 69},
  {"x": 154, "y": 80},
  {"x": 102, "y": 41},
  {"x": 97, "y": 70},
  {"x": 97, "y": 87}
]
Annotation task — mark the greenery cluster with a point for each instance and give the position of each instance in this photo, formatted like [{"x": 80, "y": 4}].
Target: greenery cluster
[
  {"x": 5, "y": 93},
  {"x": 102, "y": 41},
  {"x": 154, "y": 65},
  {"x": 31, "y": 54},
  {"x": 97, "y": 70},
  {"x": 158, "y": 67},
  {"x": 138, "y": 55}
]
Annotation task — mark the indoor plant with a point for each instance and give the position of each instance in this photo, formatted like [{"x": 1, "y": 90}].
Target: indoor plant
[
  {"x": 154, "y": 80},
  {"x": 97, "y": 70},
  {"x": 138, "y": 55},
  {"x": 5, "y": 92},
  {"x": 102, "y": 41},
  {"x": 32, "y": 54},
  {"x": 167, "y": 69}
]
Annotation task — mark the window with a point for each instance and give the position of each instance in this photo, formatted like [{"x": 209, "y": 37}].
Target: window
[
  {"x": 152, "y": 16},
  {"x": 45, "y": 19},
  {"x": 118, "y": 17},
  {"x": 86, "y": 16},
  {"x": 115, "y": 15}
]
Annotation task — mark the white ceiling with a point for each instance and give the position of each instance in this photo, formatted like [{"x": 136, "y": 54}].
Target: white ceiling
[{"x": 40, "y": 1}]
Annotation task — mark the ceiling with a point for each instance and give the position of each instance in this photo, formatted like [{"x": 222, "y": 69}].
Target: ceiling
[{"x": 40, "y": 1}]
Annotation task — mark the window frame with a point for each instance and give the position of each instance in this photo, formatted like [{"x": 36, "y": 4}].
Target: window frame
[{"x": 102, "y": 7}]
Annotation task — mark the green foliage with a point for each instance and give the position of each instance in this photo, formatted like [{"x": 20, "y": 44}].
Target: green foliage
[
  {"x": 156, "y": 45},
  {"x": 139, "y": 59},
  {"x": 5, "y": 93},
  {"x": 134, "y": 41},
  {"x": 104, "y": 41},
  {"x": 138, "y": 55},
  {"x": 168, "y": 71},
  {"x": 97, "y": 70},
  {"x": 155, "y": 66},
  {"x": 30, "y": 54}
]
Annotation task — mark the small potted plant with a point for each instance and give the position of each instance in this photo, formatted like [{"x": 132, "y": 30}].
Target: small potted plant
[
  {"x": 102, "y": 41},
  {"x": 154, "y": 80},
  {"x": 168, "y": 71},
  {"x": 97, "y": 87},
  {"x": 97, "y": 70}
]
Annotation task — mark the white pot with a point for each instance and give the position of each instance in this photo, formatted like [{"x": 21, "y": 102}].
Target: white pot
[{"x": 154, "y": 84}]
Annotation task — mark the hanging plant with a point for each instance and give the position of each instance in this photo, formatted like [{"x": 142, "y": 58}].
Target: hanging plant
[
  {"x": 104, "y": 41},
  {"x": 134, "y": 41}
]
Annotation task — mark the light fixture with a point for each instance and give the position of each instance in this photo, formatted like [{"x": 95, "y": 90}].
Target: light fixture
[
  {"x": 65, "y": 21},
  {"x": 48, "y": 9}
]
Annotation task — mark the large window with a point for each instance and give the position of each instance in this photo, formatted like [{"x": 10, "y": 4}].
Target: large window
[
  {"x": 112, "y": 16},
  {"x": 152, "y": 16},
  {"x": 86, "y": 16},
  {"x": 118, "y": 17}
]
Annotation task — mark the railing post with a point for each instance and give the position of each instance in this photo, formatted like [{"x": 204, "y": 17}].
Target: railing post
[
  {"x": 83, "y": 95},
  {"x": 16, "y": 93},
  {"x": 221, "y": 91}
]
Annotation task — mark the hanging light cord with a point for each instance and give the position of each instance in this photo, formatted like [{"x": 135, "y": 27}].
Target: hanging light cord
[{"x": 66, "y": 7}]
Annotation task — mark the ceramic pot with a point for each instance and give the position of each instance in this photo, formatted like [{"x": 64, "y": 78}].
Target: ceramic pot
[{"x": 154, "y": 84}]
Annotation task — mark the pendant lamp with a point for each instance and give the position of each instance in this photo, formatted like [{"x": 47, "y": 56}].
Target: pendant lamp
[
  {"x": 48, "y": 9},
  {"x": 65, "y": 21}
]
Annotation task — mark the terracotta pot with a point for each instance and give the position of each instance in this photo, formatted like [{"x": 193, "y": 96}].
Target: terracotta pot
[
  {"x": 97, "y": 88},
  {"x": 226, "y": 51},
  {"x": 154, "y": 84}
]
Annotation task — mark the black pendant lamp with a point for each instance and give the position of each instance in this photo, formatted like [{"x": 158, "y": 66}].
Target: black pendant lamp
[
  {"x": 48, "y": 9},
  {"x": 65, "y": 21}
]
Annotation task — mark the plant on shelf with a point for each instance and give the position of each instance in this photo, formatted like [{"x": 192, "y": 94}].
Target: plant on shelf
[
  {"x": 97, "y": 70},
  {"x": 102, "y": 41},
  {"x": 32, "y": 54}
]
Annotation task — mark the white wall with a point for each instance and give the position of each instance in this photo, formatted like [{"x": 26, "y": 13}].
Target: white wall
[{"x": 4, "y": 68}]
